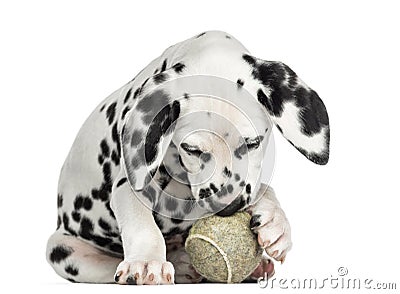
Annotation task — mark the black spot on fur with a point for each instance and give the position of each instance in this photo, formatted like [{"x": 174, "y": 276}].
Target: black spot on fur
[
  {"x": 249, "y": 59},
  {"x": 71, "y": 280},
  {"x": 65, "y": 221},
  {"x": 313, "y": 115},
  {"x": 112, "y": 234},
  {"x": 242, "y": 184},
  {"x": 73, "y": 271},
  {"x": 111, "y": 112},
  {"x": 179, "y": 67},
  {"x": 237, "y": 177},
  {"x": 137, "y": 92},
  {"x": 59, "y": 200},
  {"x": 115, "y": 138},
  {"x": 86, "y": 229},
  {"x": 124, "y": 112},
  {"x": 107, "y": 172},
  {"x": 107, "y": 204},
  {"x": 204, "y": 193},
  {"x": 264, "y": 100},
  {"x": 165, "y": 178},
  {"x": 101, "y": 241},
  {"x": 240, "y": 151},
  {"x": 227, "y": 172},
  {"x": 160, "y": 78},
  {"x": 78, "y": 202},
  {"x": 228, "y": 37},
  {"x": 116, "y": 248},
  {"x": 59, "y": 253},
  {"x": 160, "y": 126},
  {"x": 121, "y": 182},
  {"x": 164, "y": 65},
  {"x": 205, "y": 156},
  {"x": 58, "y": 222},
  {"x": 248, "y": 188},
  {"x": 104, "y": 225},
  {"x": 87, "y": 203},
  {"x": 229, "y": 188},
  {"x": 100, "y": 159},
  {"x": 144, "y": 83},
  {"x": 253, "y": 143},
  {"x": 76, "y": 216},
  {"x": 102, "y": 107},
  {"x": 240, "y": 83},
  {"x": 102, "y": 193},
  {"x": 105, "y": 149},
  {"x": 213, "y": 188},
  {"x": 115, "y": 157},
  {"x": 128, "y": 94}
]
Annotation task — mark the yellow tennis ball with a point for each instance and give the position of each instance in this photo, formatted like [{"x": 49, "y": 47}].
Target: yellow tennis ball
[{"x": 224, "y": 249}]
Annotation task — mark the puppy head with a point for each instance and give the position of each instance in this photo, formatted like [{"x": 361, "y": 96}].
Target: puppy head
[
  {"x": 221, "y": 141},
  {"x": 221, "y": 147}
]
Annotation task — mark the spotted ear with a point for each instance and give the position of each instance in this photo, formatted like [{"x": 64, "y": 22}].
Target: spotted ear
[
  {"x": 297, "y": 111},
  {"x": 148, "y": 130}
]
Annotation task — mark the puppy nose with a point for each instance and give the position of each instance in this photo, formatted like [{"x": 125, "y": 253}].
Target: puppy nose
[{"x": 233, "y": 207}]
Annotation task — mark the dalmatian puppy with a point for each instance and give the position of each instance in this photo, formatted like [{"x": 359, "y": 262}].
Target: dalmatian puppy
[{"x": 184, "y": 139}]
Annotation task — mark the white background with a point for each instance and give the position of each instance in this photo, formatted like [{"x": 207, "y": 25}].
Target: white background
[{"x": 59, "y": 59}]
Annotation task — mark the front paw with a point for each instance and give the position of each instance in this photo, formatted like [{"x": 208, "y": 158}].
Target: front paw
[
  {"x": 273, "y": 231},
  {"x": 145, "y": 273}
]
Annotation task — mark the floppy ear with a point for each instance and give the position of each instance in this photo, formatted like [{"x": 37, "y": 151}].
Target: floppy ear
[
  {"x": 297, "y": 111},
  {"x": 148, "y": 129}
]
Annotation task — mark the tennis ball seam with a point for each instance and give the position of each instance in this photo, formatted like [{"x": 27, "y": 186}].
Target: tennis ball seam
[{"x": 222, "y": 252}]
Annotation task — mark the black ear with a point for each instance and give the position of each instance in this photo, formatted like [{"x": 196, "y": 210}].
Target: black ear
[
  {"x": 297, "y": 111},
  {"x": 148, "y": 127}
]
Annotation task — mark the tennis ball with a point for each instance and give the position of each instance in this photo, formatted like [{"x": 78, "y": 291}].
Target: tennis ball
[{"x": 224, "y": 249}]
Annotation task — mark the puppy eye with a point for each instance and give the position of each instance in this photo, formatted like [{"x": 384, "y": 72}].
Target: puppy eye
[
  {"x": 253, "y": 143},
  {"x": 191, "y": 150}
]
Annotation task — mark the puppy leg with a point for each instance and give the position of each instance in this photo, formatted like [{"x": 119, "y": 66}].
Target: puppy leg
[
  {"x": 144, "y": 246},
  {"x": 78, "y": 261},
  {"x": 270, "y": 223}
]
